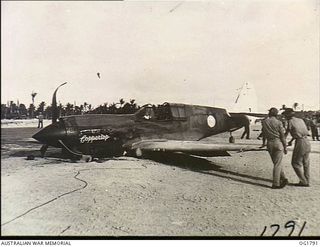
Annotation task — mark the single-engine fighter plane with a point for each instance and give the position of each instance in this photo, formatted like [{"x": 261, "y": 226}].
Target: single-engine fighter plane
[{"x": 169, "y": 127}]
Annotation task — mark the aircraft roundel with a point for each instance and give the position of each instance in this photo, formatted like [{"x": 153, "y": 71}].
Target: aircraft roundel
[{"x": 211, "y": 121}]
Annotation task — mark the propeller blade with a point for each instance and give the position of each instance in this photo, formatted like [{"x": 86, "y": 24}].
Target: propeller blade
[
  {"x": 69, "y": 149},
  {"x": 55, "y": 112},
  {"x": 43, "y": 149},
  {"x": 84, "y": 157}
]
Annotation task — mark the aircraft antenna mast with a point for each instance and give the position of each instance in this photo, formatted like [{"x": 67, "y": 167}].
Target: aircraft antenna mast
[{"x": 240, "y": 90}]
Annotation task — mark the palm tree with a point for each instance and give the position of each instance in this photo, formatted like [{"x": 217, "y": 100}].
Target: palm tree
[
  {"x": 81, "y": 108},
  {"x": 48, "y": 112},
  {"x": 112, "y": 108},
  {"x": 121, "y": 101},
  {"x": 69, "y": 109},
  {"x": 41, "y": 107},
  {"x": 133, "y": 105},
  {"x": 31, "y": 110},
  {"x": 295, "y": 105},
  {"x": 85, "y": 105},
  {"x": 33, "y": 95},
  {"x": 23, "y": 110},
  {"x": 61, "y": 110}
]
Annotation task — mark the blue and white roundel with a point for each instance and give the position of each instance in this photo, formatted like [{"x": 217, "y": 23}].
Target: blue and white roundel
[{"x": 211, "y": 121}]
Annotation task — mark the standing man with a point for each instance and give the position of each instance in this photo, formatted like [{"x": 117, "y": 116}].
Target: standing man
[
  {"x": 302, "y": 148},
  {"x": 40, "y": 120},
  {"x": 273, "y": 131}
]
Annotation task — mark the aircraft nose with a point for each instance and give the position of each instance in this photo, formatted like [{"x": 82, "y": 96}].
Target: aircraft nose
[{"x": 50, "y": 134}]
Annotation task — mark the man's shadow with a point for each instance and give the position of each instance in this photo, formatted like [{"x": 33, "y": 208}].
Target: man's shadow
[{"x": 205, "y": 166}]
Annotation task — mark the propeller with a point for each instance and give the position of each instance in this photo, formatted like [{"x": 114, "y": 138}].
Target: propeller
[
  {"x": 55, "y": 112},
  {"x": 52, "y": 131},
  {"x": 55, "y": 115}
]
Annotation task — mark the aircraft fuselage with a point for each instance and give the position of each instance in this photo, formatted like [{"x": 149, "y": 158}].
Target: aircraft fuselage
[{"x": 112, "y": 133}]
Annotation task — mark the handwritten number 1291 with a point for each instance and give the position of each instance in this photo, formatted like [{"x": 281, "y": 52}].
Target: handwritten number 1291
[{"x": 290, "y": 224}]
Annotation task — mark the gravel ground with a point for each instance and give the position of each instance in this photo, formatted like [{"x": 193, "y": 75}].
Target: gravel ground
[{"x": 166, "y": 195}]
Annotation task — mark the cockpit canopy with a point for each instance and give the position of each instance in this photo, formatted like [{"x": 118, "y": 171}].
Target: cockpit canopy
[{"x": 162, "y": 112}]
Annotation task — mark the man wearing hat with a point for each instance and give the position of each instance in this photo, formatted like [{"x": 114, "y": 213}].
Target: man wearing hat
[
  {"x": 274, "y": 132},
  {"x": 302, "y": 148}
]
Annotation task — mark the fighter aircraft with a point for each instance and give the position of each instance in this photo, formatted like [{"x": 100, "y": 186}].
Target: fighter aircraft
[{"x": 169, "y": 127}]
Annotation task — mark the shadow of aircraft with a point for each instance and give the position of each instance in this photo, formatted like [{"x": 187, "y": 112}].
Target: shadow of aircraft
[{"x": 204, "y": 166}]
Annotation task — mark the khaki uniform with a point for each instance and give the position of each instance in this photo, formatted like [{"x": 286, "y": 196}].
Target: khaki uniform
[
  {"x": 302, "y": 148},
  {"x": 272, "y": 129}
]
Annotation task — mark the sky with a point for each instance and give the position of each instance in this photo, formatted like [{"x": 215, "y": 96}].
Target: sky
[{"x": 194, "y": 52}]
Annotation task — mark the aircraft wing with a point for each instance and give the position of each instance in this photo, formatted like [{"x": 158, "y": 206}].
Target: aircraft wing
[{"x": 192, "y": 147}]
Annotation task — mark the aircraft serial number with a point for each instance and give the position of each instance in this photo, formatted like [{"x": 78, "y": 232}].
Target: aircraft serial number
[{"x": 289, "y": 225}]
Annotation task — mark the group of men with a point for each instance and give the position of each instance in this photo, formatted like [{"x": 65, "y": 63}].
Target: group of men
[{"x": 275, "y": 134}]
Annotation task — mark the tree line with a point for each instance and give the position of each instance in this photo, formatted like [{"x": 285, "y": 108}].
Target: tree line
[{"x": 13, "y": 110}]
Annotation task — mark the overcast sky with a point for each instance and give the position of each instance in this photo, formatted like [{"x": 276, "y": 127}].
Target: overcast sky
[{"x": 190, "y": 52}]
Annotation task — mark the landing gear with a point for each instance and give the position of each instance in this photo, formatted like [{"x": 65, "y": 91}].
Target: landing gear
[
  {"x": 43, "y": 149},
  {"x": 231, "y": 138}
]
